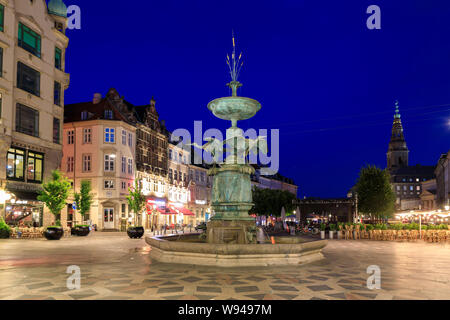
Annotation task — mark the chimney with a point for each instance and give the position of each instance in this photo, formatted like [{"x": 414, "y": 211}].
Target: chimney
[{"x": 97, "y": 98}]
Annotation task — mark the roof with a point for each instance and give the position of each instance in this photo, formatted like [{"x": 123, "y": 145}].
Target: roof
[
  {"x": 57, "y": 7},
  {"x": 72, "y": 112},
  {"x": 417, "y": 170}
]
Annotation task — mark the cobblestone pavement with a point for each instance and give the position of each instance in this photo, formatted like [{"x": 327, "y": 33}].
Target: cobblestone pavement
[{"x": 115, "y": 267}]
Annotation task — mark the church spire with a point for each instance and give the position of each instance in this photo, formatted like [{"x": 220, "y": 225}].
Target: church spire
[{"x": 397, "y": 155}]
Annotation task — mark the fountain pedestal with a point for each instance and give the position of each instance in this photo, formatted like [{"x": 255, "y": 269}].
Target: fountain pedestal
[{"x": 231, "y": 201}]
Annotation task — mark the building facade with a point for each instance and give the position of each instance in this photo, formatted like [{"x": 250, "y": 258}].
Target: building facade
[
  {"x": 276, "y": 182},
  {"x": 152, "y": 162},
  {"x": 443, "y": 182},
  {"x": 200, "y": 192},
  {"x": 406, "y": 180},
  {"x": 179, "y": 194},
  {"x": 99, "y": 142},
  {"x": 32, "y": 83},
  {"x": 428, "y": 195}
]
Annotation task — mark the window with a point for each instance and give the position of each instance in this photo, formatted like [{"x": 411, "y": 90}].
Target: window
[
  {"x": 84, "y": 115},
  {"x": 57, "y": 94},
  {"x": 203, "y": 177},
  {"x": 87, "y": 136},
  {"x": 124, "y": 186},
  {"x": 411, "y": 188},
  {"x": 15, "y": 165},
  {"x": 1, "y": 62},
  {"x": 109, "y": 184},
  {"x": 130, "y": 139},
  {"x": 184, "y": 177},
  {"x": 28, "y": 79},
  {"x": 110, "y": 135},
  {"x": 1, "y": 105},
  {"x": 34, "y": 167},
  {"x": 87, "y": 158},
  {"x": 27, "y": 120},
  {"x": 70, "y": 163},
  {"x": 191, "y": 175},
  {"x": 130, "y": 166},
  {"x": 124, "y": 137},
  {"x": 180, "y": 157},
  {"x": 197, "y": 176},
  {"x": 56, "y": 131},
  {"x": 418, "y": 188},
  {"x": 29, "y": 40},
  {"x": 170, "y": 154},
  {"x": 58, "y": 58},
  {"x": 70, "y": 136},
  {"x": 109, "y": 162},
  {"x": 108, "y": 114},
  {"x": 124, "y": 164},
  {"x": 2, "y": 18},
  {"x": 175, "y": 175},
  {"x": 170, "y": 174}
]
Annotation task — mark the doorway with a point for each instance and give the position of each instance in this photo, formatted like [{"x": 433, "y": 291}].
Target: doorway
[{"x": 108, "y": 218}]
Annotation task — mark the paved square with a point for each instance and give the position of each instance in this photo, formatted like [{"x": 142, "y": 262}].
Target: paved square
[{"x": 118, "y": 268}]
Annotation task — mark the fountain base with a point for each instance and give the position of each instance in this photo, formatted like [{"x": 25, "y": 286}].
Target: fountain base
[{"x": 172, "y": 249}]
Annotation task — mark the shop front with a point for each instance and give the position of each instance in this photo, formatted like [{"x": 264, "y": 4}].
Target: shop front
[
  {"x": 184, "y": 215},
  {"x": 24, "y": 209}
]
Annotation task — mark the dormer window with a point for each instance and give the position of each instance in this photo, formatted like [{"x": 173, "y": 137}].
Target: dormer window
[
  {"x": 108, "y": 114},
  {"x": 84, "y": 115}
]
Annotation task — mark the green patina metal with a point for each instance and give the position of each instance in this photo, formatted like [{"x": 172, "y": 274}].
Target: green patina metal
[
  {"x": 232, "y": 188},
  {"x": 57, "y": 7}
]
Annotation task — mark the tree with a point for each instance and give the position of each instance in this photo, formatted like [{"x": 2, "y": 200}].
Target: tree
[
  {"x": 83, "y": 199},
  {"x": 136, "y": 201},
  {"x": 375, "y": 195},
  {"x": 269, "y": 202},
  {"x": 55, "y": 193}
]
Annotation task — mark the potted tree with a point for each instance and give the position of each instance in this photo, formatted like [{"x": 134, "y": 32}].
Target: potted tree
[
  {"x": 5, "y": 230},
  {"x": 136, "y": 202},
  {"x": 323, "y": 227},
  {"x": 54, "y": 195},
  {"x": 332, "y": 230},
  {"x": 83, "y": 201}
]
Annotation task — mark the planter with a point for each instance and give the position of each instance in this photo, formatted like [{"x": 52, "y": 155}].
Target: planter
[
  {"x": 322, "y": 235},
  {"x": 135, "y": 232},
  {"x": 53, "y": 233},
  {"x": 331, "y": 234},
  {"x": 339, "y": 235},
  {"x": 80, "y": 231}
]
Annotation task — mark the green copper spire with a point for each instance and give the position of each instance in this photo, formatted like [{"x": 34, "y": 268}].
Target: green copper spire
[
  {"x": 58, "y": 8},
  {"x": 397, "y": 111},
  {"x": 235, "y": 65}
]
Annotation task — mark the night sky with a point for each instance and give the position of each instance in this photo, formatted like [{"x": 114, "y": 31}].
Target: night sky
[{"x": 325, "y": 80}]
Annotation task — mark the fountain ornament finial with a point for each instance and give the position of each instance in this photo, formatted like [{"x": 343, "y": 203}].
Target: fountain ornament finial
[{"x": 235, "y": 65}]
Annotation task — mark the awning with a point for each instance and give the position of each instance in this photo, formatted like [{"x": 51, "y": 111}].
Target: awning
[
  {"x": 25, "y": 195},
  {"x": 166, "y": 211},
  {"x": 186, "y": 212}
]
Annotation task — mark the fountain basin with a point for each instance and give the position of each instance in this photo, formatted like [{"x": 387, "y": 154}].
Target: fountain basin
[
  {"x": 169, "y": 249},
  {"x": 234, "y": 108}
]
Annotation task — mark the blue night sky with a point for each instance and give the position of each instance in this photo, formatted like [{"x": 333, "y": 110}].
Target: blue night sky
[{"x": 325, "y": 80}]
